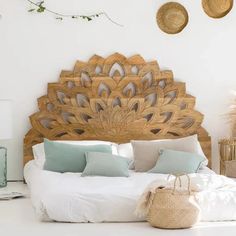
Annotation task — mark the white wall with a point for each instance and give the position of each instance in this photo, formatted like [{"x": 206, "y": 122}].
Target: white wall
[{"x": 34, "y": 48}]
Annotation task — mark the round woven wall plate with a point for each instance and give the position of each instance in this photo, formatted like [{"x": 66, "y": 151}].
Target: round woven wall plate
[
  {"x": 172, "y": 18},
  {"x": 217, "y": 8}
]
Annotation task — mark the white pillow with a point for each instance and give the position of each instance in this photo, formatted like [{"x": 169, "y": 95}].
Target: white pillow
[
  {"x": 39, "y": 154},
  {"x": 126, "y": 149}
]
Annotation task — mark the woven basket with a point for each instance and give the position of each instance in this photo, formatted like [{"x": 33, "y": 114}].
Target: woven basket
[
  {"x": 230, "y": 169},
  {"x": 217, "y": 8},
  {"x": 173, "y": 209},
  {"x": 172, "y": 17},
  {"x": 227, "y": 149}
]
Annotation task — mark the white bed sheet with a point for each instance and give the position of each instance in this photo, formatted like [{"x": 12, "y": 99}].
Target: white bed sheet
[{"x": 70, "y": 198}]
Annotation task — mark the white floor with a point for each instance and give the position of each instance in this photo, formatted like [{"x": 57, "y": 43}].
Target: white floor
[{"x": 17, "y": 217}]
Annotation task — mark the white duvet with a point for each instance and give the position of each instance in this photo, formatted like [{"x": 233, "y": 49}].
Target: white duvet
[{"x": 71, "y": 198}]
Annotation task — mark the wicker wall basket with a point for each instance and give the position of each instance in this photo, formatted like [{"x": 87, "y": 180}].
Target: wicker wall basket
[
  {"x": 227, "y": 157},
  {"x": 217, "y": 8},
  {"x": 173, "y": 209},
  {"x": 172, "y": 18}
]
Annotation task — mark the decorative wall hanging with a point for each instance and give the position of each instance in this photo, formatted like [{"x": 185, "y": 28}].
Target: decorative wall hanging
[
  {"x": 217, "y": 8},
  {"x": 172, "y": 18},
  {"x": 231, "y": 116},
  {"x": 115, "y": 99},
  {"x": 40, "y": 7}
]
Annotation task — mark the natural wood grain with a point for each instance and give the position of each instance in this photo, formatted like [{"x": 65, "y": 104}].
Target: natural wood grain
[{"x": 115, "y": 99}]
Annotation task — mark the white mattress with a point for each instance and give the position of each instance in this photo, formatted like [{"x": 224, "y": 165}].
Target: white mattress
[{"x": 70, "y": 198}]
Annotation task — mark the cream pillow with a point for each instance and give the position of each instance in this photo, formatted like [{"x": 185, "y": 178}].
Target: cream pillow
[{"x": 146, "y": 152}]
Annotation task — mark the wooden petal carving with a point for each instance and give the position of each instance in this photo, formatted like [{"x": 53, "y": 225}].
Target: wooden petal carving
[{"x": 97, "y": 102}]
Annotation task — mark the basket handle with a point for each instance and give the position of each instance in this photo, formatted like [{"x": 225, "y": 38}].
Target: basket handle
[{"x": 177, "y": 178}]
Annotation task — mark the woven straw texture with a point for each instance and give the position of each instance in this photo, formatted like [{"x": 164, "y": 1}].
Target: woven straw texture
[
  {"x": 172, "y": 18},
  {"x": 173, "y": 209},
  {"x": 227, "y": 149},
  {"x": 230, "y": 169},
  {"x": 217, "y": 8}
]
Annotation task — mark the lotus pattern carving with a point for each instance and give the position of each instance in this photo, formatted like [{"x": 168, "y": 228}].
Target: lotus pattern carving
[{"x": 116, "y": 99}]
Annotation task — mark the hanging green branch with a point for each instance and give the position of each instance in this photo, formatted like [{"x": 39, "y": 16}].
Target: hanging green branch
[{"x": 40, "y": 8}]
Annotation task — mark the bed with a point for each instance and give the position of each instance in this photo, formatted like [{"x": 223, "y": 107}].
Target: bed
[
  {"x": 116, "y": 99},
  {"x": 71, "y": 198}
]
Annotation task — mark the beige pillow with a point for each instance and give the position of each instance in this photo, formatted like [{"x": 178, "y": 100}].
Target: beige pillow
[{"x": 146, "y": 152}]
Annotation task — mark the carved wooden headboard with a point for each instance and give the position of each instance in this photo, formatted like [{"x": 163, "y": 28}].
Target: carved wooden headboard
[{"x": 116, "y": 99}]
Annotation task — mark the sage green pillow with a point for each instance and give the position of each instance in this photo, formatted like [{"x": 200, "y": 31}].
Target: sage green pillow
[
  {"x": 63, "y": 157},
  {"x": 104, "y": 164},
  {"x": 177, "y": 162}
]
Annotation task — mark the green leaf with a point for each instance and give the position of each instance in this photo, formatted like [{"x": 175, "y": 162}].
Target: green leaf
[
  {"x": 41, "y": 9},
  {"x": 59, "y": 18},
  {"x": 30, "y": 10},
  {"x": 89, "y": 18}
]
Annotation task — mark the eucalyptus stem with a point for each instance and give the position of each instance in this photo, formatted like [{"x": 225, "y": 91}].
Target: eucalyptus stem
[{"x": 41, "y": 8}]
